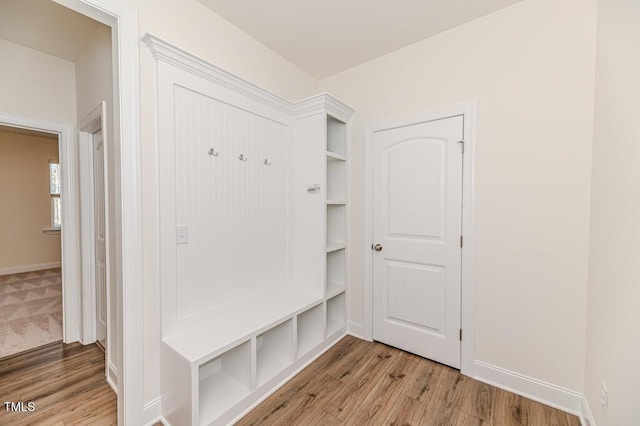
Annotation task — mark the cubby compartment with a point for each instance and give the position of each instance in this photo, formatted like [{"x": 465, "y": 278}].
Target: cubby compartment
[
  {"x": 336, "y": 136},
  {"x": 336, "y": 272},
  {"x": 336, "y": 218},
  {"x": 335, "y": 314},
  {"x": 336, "y": 181},
  {"x": 274, "y": 351},
  {"x": 309, "y": 329},
  {"x": 224, "y": 381}
]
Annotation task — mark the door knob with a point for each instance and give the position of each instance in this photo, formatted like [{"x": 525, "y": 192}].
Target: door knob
[{"x": 377, "y": 247}]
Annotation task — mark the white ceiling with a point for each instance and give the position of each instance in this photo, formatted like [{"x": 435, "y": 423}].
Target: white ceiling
[
  {"x": 323, "y": 37},
  {"x": 45, "y": 26}
]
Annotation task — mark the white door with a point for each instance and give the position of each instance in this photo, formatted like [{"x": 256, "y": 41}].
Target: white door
[
  {"x": 417, "y": 221},
  {"x": 100, "y": 238}
]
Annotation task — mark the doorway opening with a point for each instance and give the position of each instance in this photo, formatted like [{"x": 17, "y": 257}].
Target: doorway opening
[{"x": 30, "y": 246}]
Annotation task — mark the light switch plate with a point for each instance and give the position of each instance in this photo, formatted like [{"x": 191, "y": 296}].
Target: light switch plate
[{"x": 182, "y": 234}]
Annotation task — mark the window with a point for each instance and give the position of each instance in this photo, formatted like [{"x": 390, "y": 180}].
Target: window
[{"x": 54, "y": 191}]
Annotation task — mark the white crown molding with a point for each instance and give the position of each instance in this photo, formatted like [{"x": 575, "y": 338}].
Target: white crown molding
[
  {"x": 171, "y": 54},
  {"x": 322, "y": 102}
]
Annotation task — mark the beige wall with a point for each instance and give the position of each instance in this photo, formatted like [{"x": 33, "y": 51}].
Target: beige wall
[
  {"x": 530, "y": 67},
  {"x": 36, "y": 85},
  {"x": 613, "y": 338},
  {"x": 26, "y": 203}
]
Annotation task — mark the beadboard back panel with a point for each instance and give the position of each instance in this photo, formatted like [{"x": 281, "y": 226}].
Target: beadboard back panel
[
  {"x": 236, "y": 210},
  {"x": 225, "y": 196}
]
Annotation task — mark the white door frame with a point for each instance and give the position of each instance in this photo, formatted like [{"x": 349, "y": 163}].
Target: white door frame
[
  {"x": 123, "y": 20},
  {"x": 69, "y": 231},
  {"x": 468, "y": 111},
  {"x": 94, "y": 121}
]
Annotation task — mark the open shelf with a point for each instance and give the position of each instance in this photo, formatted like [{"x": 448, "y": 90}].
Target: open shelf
[
  {"x": 335, "y": 314},
  {"x": 332, "y": 156},
  {"x": 224, "y": 381},
  {"x": 336, "y": 180},
  {"x": 274, "y": 351},
  {"x": 333, "y": 246},
  {"x": 309, "y": 329},
  {"x": 336, "y": 272},
  {"x": 231, "y": 323},
  {"x": 336, "y": 227},
  {"x": 336, "y": 136}
]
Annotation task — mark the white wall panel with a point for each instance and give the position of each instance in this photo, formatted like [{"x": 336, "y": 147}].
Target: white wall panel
[{"x": 236, "y": 211}]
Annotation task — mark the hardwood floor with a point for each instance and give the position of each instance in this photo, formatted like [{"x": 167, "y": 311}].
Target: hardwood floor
[
  {"x": 65, "y": 382},
  {"x": 363, "y": 383},
  {"x": 354, "y": 383}
]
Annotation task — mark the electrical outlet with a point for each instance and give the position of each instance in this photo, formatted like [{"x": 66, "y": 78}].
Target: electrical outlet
[{"x": 604, "y": 398}]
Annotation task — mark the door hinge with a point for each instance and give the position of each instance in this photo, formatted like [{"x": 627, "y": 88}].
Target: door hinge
[
  {"x": 461, "y": 145},
  {"x": 461, "y": 335},
  {"x": 461, "y": 241}
]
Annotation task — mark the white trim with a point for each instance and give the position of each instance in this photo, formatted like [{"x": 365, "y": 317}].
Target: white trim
[
  {"x": 468, "y": 110},
  {"x": 153, "y": 411},
  {"x": 586, "y": 415},
  {"x": 123, "y": 20},
  {"x": 29, "y": 268},
  {"x": 69, "y": 231},
  {"x": 112, "y": 376},
  {"x": 94, "y": 121},
  {"x": 537, "y": 390},
  {"x": 356, "y": 329},
  {"x": 51, "y": 231}
]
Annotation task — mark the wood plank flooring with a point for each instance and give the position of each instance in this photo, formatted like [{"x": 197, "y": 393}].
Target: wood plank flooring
[
  {"x": 354, "y": 383},
  {"x": 66, "y": 383},
  {"x": 363, "y": 383}
]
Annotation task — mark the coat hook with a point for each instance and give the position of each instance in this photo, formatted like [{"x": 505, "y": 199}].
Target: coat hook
[
  {"x": 267, "y": 162},
  {"x": 242, "y": 157},
  {"x": 213, "y": 152}
]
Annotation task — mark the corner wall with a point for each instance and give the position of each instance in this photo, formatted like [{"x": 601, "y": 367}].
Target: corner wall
[
  {"x": 530, "y": 67},
  {"x": 613, "y": 316},
  {"x": 36, "y": 85}
]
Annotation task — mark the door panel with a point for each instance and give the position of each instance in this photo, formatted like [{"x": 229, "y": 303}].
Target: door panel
[
  {"x": 417, "y": 220},
  {"x": 100, "y": 238}
]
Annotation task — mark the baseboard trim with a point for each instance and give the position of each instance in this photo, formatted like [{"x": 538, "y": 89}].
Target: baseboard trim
[
  {"x": 153, "y": 412},
  {"x": 112, "y": 377},
  {"x": 586, "y": 416},
  {"x": 537, "y": 390},
  {"x": 356, "y": 329},
  {"x": 29, "y": 268}
]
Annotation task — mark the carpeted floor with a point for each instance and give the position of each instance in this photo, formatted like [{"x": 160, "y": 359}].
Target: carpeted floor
[{"x": 30, "y": 310}]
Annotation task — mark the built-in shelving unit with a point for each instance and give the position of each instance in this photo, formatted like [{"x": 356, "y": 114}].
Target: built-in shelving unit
[
  {"x": 310, "y": 329},
  {"x": 253, "y": 236},
  {"x": 226, "y": 380},
  {"x": 274, "y": 350},
  {"x": 336, "y": 220},
  {"x": 335, "y": 314}
]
